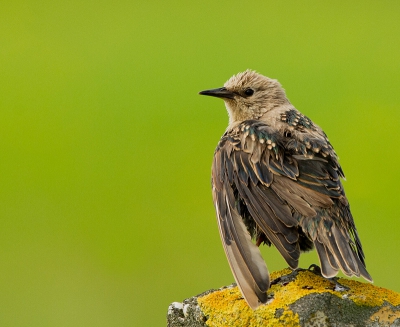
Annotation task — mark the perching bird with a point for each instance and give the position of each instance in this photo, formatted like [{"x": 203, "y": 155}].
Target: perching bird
[{"x": 276, "y": 179}]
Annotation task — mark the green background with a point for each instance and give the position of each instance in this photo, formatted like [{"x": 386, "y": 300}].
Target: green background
[{"x": 106, "y": 215}]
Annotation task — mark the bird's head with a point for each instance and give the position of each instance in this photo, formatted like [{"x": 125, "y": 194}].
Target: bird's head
[{"x": 249, "y": 95}]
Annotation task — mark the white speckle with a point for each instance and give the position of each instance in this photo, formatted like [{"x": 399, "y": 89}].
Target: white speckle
[
  {"x": 269, "y": 146},
  {"x": 174, "y": 305},
  {"x": 316, "y": 150},
  {"x": 262, "y": 141},
  {"x": 185, "y": 308},
  {"x": 269, "y": 141},
  {"x": 339, "y": 288},
  {"x": 273, "y": 144},
  {"x": 253, "y": 137},
  {"x": 270, "y": 301}
]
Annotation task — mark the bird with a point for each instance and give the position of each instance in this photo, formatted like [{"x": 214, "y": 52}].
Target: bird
[{"x": 276, "y": 180}]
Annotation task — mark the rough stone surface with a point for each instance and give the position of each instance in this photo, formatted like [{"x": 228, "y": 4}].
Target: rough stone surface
[
  {"x": 187, "y": 313},
  {"x": 301, "y": 298}
]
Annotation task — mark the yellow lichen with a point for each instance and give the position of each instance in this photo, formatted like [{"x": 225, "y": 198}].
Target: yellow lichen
[
  {"x": 279, "y": 273},
  {"x": 228, "y": 308},
  {"x": 228, "y": 303},
  {"x": 370, "y": 295},
  {"x": 385, "y": 315}
]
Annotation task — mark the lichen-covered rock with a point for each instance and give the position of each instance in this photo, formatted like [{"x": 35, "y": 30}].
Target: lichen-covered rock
[
  {"x": 302, "y": 298},
  {"x": 187, "y": 313}
]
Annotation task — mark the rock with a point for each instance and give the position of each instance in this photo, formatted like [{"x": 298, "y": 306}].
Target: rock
[{"x": 300, "y": 298}]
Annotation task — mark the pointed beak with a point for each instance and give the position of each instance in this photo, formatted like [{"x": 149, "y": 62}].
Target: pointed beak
[{"x": 221, "y": 92}]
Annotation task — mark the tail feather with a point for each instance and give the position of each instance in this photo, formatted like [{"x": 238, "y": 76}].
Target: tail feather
[
  {"x": 346, "y": 251},
  {"x": 336, "y": 251},
  {"x": 328, "y": 270}
]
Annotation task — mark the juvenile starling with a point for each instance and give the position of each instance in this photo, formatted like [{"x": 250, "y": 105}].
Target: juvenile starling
[{"x": 276, "y": 179}]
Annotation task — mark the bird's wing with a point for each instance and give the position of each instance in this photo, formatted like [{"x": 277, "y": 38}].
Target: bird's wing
[
  {"x": 237, "y": 176},
  {"x": 244, "y": 257},
  {"x": 332, "y": 230},
  {"x": 284, "y": 182}
]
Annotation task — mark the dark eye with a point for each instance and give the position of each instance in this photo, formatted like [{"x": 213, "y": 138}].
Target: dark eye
[{"x": 249, "y": 92}]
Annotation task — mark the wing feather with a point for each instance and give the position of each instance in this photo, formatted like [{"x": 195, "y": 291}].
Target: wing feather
[
  {"x": 244, "y": 257},
  {"x": 292, "y": 194}
]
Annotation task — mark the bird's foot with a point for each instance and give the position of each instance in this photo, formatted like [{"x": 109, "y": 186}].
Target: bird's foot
[{"x": 315, "y": 269}]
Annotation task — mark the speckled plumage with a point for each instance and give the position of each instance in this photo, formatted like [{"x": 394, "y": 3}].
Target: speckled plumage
[{"x": 276, "y": 179}]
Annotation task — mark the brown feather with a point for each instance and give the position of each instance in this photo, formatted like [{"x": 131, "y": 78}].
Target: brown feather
[{"x": 276, "y": 178}]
